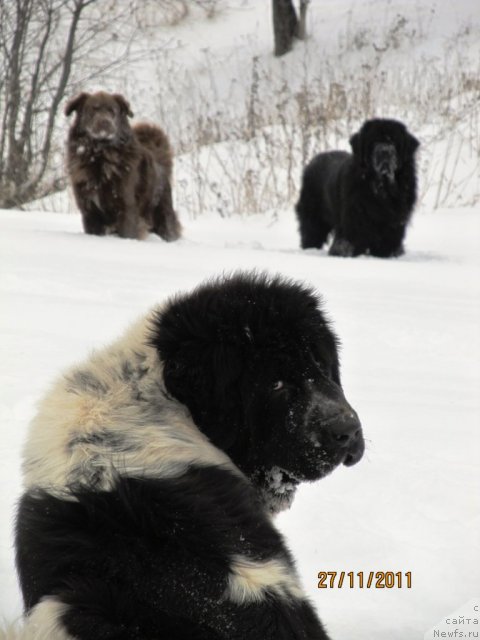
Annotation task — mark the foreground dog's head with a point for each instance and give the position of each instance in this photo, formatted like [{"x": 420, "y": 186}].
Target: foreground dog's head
[
  {"x": 102, "y": 116},
  {"x": 383, "y": 147},
  {"x": 256, "y": 362}
]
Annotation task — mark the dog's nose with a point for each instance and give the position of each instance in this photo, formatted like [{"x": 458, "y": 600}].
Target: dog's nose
[
  {"x": 385, "y": 158},
  {"x": 337, "y": 425},
  {"x": 344, "y": 428}
]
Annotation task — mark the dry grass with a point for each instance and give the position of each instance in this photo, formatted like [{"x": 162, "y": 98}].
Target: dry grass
[
  {"x": 247, "y": 156},
  {"x": 150, "y": 14},
  {"x": 243, "y": 129}
]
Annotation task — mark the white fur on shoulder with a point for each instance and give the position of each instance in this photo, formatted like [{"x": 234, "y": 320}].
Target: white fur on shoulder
[
  {"x": 251, "y": 580},
  {"x": 43, "y": 623},
  {"x": 112, "y": 416}
]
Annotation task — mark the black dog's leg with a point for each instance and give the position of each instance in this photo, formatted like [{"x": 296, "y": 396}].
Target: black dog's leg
[
  {"x": 398, "y": 251},
  {"x": 387, "y": 252},
  {"x": 343, "y": 248},
  {"x": 165, "y": 221},
  {"x": 389, "y": 246},
  {"x": 313, "y": 236},
  {"x": 346, "y": 249},
  {"x": 313, "y": 228}
]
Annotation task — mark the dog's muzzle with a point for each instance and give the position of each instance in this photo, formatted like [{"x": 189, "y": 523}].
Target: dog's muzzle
[
  {"x": 385, "y": 161},
  {"x": 345, "y": 432},
  {"x": 338, "y": 427},
  {"x": 103, "y": 130}
]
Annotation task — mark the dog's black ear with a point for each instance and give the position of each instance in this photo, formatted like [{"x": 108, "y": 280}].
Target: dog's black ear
[
  {"x": 355, "y": 143},
  {"x": 124, "y": 104},
  {"x": 76, "y": 103},
  {"x": 202, "y": 369},
  {"x": 207, "y": 381}
]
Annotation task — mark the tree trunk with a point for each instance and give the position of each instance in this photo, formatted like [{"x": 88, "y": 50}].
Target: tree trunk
[
  {"x": 285, "y": 23},
  {"x": 301, "y": 32}
]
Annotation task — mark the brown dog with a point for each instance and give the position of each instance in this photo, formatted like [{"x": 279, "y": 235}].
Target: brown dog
[{"x": 121, "y": 175}]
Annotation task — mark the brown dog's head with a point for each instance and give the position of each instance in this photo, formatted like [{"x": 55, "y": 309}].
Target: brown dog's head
[{"x": 102, "y": 116}]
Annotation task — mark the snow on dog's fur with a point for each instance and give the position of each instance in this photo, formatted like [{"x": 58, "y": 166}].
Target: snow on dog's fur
[
  {"x": 121, "y": 175},
  {"x": 152, "y": 470}
]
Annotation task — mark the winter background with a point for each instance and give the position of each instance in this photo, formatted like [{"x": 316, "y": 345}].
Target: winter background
[{"x": 243, "y": 124}]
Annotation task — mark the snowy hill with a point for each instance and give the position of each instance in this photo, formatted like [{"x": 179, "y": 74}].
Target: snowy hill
[
  {"x": 244, "y": 123},
  {"x": 411, "y": 349},
  {"x": 409, "y": 327}
]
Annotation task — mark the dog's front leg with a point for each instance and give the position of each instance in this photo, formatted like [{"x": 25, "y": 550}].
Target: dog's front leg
[
  {"x": 128, "y": 220},
  {"x": 93, "y": 218}
]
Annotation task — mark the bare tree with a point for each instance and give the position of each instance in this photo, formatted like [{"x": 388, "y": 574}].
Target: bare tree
[
  {"x": 287, "y": 25},
  {"x": 41, "y": 41},
  {"x": 301, "y": 32}
]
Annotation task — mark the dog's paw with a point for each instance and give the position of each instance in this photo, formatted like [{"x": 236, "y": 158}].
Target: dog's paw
[
  {"x": 399, "y": 251},
  {"x": 343, "y": 248}
]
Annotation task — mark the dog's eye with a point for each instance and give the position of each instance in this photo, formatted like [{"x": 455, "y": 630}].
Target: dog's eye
[{"x": 277, "y": 386}]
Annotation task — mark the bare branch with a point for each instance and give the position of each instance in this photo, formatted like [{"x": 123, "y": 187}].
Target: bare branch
[
  {"x": 46, "y": 46},
  {"x": 33, "y": 95}
]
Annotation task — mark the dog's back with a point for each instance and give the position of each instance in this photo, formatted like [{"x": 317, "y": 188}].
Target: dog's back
[{"x": 154, "y": 140}]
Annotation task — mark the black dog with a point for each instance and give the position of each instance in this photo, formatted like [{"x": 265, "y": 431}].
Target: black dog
[
  {"x": 366, "y": 198},
  {"x": 152, "y": 469}
]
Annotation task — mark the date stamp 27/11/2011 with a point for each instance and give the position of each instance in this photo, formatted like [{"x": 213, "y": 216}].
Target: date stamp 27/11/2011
[{"x": 365, "y": 579}]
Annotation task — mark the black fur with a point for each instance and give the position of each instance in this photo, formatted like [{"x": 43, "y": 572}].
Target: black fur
[
  {"x": 113, "y": 554},
  {"x": 227, "y": 345},
  {"x": 365, "y": 198},
  {"x": 151, "y": 558}
]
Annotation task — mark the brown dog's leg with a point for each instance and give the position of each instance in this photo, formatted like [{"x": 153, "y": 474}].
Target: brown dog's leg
[
  {"x": 92, "y": 219},
  {"x": 165, "y": 221},
  {"x": 128, "y": 223}
]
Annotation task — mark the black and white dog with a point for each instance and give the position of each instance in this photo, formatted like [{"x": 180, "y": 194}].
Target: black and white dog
[{"x": 152, "y": 470}]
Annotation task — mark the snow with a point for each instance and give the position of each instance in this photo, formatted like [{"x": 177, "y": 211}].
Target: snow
[
  {"x": 409, "y": 327},
  {"x": 410, "y": 358},
  {"x": 216, "y": 79}
]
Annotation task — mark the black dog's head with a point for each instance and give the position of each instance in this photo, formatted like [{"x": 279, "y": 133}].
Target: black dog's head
[
  {"x": 102, "y": 116},
  {"x": 256, "y": 362},
  {"x": 383, "y": 147}
]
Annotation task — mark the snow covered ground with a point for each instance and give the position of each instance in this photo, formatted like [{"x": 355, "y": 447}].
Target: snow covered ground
[
  {"x": 409, "y": 327},
  {"x": 411, "y": 353}
]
